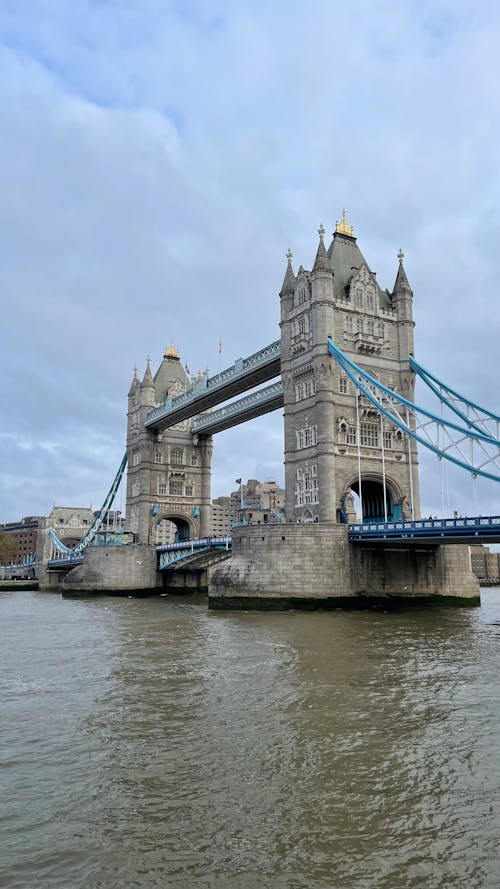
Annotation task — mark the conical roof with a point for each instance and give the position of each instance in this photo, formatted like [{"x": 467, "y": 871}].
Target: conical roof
[
  {"x": 288, "y": 285},
  {"x": 321, "y": 263},
  {"x": 401, "y": 284},
  {"x": 134, "y": 384},
  {"x": 148, "y": 376}
]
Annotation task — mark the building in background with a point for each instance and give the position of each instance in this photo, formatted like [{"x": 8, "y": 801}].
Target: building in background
[
  {"x": 485, "y": 565},
  {"x": 222, "y": 516},
  {"x": 257, "y": 502},
  {"x": 25, "y": 535},
  {"x": 70, "y": 523}
]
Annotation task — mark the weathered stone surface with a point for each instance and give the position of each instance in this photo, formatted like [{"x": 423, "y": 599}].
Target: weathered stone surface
[
  {"x": 115, "y": 568},
  {"x": 317, "y": 562}
]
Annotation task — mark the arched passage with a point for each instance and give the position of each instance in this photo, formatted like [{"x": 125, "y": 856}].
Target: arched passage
[
  {"x": 372, "y": 496},
  {"x": 170, "y": 529}
]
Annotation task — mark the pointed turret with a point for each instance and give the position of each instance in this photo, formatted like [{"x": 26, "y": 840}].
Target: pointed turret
[
  {"x": 148, "y": 376},
  {"x": 402, "y": 300},
  {"x": 148, "y": 394},
  {"x": 401, "y": 285},
  {"x": 321, "y": 263},
  {"x": 288, "y": 285},
  {"x": 322, "y": 282},
  {"x": 134, "y": 384}
]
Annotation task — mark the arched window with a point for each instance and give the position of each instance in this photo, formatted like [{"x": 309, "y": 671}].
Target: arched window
[{"x": 177, "y": 456}]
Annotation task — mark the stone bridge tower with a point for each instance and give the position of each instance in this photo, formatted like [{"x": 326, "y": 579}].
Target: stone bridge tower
[
  {"x": 332, "y": 435},
  {"x": 168, "y": 475}
]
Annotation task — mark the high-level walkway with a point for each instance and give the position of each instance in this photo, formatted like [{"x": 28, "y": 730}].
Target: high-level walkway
[{"x": 244, "y": 374}]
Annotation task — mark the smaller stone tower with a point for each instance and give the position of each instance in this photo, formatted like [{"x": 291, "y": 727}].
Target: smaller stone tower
[{"x": 168, "y": 473}]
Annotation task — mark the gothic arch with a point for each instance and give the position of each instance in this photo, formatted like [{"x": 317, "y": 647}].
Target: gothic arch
[
  {"x": 184, "y": 525},
  {"x": 373, "y": 495}
]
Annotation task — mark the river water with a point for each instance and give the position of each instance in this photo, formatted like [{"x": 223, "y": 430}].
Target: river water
[{"x": 151, "y": 743}]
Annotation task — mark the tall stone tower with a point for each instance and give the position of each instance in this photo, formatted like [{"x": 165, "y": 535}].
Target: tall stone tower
[
  {"x": 168, "y": 475},
  {"x": 333, "y": 436}
]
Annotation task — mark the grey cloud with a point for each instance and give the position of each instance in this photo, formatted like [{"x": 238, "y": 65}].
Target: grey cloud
[{"x": 155, "y": 167}]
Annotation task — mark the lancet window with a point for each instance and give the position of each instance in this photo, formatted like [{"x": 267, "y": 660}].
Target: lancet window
[
  {"x": 177, "y": 456},
  {"x": 305, "y": 388},
  {"x": 307, "y": 436},
  {"x": 306, "y": 491}
]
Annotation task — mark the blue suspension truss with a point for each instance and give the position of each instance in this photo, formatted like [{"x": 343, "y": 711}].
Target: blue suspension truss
[
  {"x": 76, "y": 551},
  {"x": 475, "y": 416},
  {"x": 464, "y": 445}
]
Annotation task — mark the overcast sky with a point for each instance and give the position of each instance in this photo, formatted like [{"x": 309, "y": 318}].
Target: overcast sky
[{"x": 158, "y": 158}]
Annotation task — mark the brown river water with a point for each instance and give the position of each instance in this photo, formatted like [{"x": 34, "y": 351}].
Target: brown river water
[{"x": 151, "y": 743}]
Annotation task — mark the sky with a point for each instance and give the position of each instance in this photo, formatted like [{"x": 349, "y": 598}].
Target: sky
[{"x": 157, "y": 160}]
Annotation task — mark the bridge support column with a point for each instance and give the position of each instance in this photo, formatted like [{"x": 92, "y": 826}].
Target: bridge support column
[
  {"x": 206, "y": 451},
  {"x": 315, "y": 566}
]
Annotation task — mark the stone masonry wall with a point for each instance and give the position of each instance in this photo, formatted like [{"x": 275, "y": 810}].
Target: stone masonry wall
[
  {"x": 316, "y": 561},
  {"x": 115, "y": 568}
]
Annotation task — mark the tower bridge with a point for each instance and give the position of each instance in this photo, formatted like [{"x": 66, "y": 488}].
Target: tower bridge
[{"x": 344, "y": 375}]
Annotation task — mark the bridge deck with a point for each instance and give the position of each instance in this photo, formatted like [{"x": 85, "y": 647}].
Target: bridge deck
[
  {"x": 468, "y": 530},
  {"x": 254, "y": 405},
  {"x": 244, "y": 374}
]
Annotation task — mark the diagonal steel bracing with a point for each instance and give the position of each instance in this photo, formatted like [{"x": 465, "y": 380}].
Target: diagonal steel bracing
[{"x": 476, "y": 452}]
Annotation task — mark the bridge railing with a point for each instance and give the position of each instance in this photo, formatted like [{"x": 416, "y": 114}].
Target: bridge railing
[
  {"x": 453, "y": 527},
  {"x": 190, "y": 544},
  {"x": 270, "y": 393},
  {"x": 170, "y": 553},
  {"x": 240, "y": 368}
]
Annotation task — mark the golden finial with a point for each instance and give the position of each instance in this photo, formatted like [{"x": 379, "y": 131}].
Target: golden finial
[
  {"x": 343, "y": 228},
  {"x": 171, "y": 352}
]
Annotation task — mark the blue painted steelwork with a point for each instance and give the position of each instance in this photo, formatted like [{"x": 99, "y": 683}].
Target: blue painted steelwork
[
  {"x": 264, "y": 400},
  {"x": 389, "y": 404},
  {"x": 206, "y": 392},
  {"x": 453, "y": 400},
  {"x": 472, "y": 529},
  {"x": 60, "y": 564},
  {"x": 27, "y": 562},
  {"x": 171, "y": 553},
  {"x": 76, "y": 551}
]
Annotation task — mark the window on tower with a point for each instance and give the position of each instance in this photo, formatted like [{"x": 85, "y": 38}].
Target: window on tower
[{"x": 177, "y": 456}]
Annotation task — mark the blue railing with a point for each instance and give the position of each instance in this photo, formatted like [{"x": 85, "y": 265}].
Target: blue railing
[
  {"x": 170, "y": 553},
  {"x": 241, "y": 368},
  {"x": 444, "y": 530}
]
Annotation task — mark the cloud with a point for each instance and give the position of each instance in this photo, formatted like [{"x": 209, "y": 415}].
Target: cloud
[{"x": 158, "y": 159}]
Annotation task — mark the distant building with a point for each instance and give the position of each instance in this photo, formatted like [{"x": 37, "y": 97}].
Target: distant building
[
  {"x": 25, "y": 534},
  {"x": 258, "y": 502},
  {"x": 485, "y": 565},
  {"x": 70, "y": 523},
  {"x": 222, "y": 516}
]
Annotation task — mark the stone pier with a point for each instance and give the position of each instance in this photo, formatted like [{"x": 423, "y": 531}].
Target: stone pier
[{"x": 314, "y": 565}]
